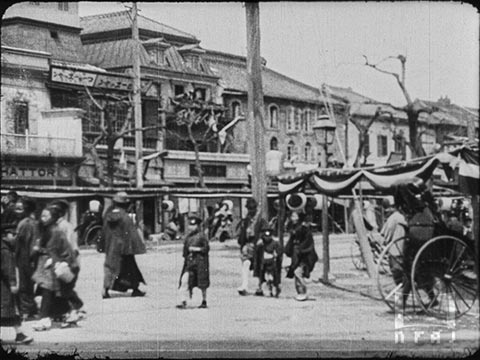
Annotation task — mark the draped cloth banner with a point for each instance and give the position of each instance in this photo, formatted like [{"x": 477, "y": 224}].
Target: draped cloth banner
[
  {"x": 334, "y": 182},
  {"x": 468, "y": 172}
]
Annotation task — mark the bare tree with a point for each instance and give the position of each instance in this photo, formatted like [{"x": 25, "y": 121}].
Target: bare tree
[
  {"x": 112, "y": 128},
  {"x": 202, "y": 120},
  {"x": 412, "y": 108},
  {"x": 363, "y": 129}
]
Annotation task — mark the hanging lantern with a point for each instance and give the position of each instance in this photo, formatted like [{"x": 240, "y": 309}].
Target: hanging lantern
[
  {"x": 296, "y": 202},
  {"x": 167, "y": 205}
]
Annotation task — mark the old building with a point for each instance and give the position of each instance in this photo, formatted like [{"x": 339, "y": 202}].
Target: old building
[{"x": 41, "y": 146}]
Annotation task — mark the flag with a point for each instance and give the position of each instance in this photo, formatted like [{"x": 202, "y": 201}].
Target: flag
[{"x": 468, "y": 172}]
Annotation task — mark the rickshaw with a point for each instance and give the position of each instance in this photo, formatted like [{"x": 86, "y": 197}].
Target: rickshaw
[{"x": 432, "y": 268}]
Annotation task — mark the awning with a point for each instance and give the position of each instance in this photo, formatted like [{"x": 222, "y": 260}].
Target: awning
[{"x": 336, "y": 182}]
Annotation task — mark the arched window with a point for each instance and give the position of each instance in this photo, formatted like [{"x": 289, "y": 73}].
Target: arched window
[
  {"x": 290, "y": 150},
  {"x": 236, "y": 107},
  {"x": 308, "y": 119},
  {"x": 307, "y": 152},
  {"x": 298, "y": 118},
  {"x": 290, "y": 118},
  {"x": 274, "y": 144},
  {"x": 273, "y": 116}
]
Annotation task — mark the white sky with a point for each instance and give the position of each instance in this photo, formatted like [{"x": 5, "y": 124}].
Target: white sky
[{"x": 323, "y": 42}]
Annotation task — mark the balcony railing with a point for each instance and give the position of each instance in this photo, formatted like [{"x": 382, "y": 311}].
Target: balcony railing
[
  {"x": 128, "y": 141},
  {"x": 38, "y": 145}
]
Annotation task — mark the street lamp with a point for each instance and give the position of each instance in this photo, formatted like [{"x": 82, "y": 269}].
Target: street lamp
[{"x": 324, "y": 129}]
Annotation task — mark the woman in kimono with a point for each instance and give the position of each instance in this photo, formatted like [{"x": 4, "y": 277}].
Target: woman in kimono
[{"x": 122, "y": 243}]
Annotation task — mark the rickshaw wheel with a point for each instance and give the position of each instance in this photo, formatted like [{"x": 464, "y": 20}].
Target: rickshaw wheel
[
  {"x": 392, "y": 275},
  {"x": 443, "y": 277}
]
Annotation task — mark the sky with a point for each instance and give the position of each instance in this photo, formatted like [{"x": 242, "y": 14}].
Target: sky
[{"x": 324, "y": 42}]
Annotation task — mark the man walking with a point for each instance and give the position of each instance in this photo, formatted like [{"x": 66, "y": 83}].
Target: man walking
[
  {"x": 249, "y": 234},
  {"x": 195, "y": 271},
  {"x": 27, "y": 232}
]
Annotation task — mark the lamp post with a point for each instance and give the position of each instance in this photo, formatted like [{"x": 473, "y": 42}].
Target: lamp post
[{"x": 324, "y": 129}]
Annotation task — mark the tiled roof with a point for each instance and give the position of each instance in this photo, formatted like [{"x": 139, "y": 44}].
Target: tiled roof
[
  {"x": 349, "y": 94},
  {"x": 233, "y": 71},
  {"x": 448, "y": 113},
  {"x": 119, "y": 53},
  {"x": 121, "y": 20},
  {"x": 113, "y": 54}
]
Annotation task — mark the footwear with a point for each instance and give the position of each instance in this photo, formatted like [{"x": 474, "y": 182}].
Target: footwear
[
  {"x": 301, "y": 297},
  {"x": 105, "y": 294},
  {"x": 183, "y": 305},
  {"x": 72, "y": 317},
  {"x": 242, "y": 292},
  {"x": 82, "y": 314},
  {"x": 21, "y": 338},
  {"x": 137, "y": 293},
  {"x": 277, "y": 292},
  {"x": 43, "y": 324},
  {"x": 203, "y": 305},
  {"x": 67, "y": 324},
  {"x": 259, "y": 292}
]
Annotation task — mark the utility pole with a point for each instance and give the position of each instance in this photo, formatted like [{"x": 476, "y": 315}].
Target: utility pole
[
  {"x": 325, "y": 233},
  {"x": 256, "y": 127},
  {"x": 137, "y": 111},
  {"x": 137, "y": 107}
]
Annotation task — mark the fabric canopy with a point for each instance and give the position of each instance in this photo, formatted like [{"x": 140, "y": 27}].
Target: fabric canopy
[{"x": 335, "y": 182}]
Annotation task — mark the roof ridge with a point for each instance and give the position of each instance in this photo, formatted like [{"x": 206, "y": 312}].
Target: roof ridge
[
  {"x": 168, "y": 26},
  {"x": 293, "y": 80},
  {"x": 352, "y": 91},
  {"x": 109, "y": 14}
]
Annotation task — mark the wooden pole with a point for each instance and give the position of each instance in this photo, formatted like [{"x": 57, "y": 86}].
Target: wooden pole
[
  {"x": 137, "y": 105},
  {"x": 361, "y": 231},
  {"x": 137, "y": 111},
  {"x": 255, "y": 116},
  {"x": 325, "y": 234}
]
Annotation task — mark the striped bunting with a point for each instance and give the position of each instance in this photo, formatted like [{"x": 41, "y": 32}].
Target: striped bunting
[{"x": 468, "y": 172}]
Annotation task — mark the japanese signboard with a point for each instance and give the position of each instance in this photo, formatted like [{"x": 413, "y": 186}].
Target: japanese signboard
[{"x": 90, "y": 78}]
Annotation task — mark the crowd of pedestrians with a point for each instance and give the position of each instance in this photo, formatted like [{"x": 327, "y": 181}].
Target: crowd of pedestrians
[{"x": 40, "y": 259}]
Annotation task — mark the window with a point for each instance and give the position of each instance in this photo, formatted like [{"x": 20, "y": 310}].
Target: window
[
  {"x": 236, "y": 107},
  {"x": 273, "y": 115},
  {"x": 298, "y": 118},
  {"x": 274, "y": 144},
  {"x": 399, "y": 141},
  {"x": 307, "y": 151},
  {"x": 307, "y": 119},
  {"x": 20, "y": 116},
  {"x": 366, "y": 146},
  {"x": 382, "y": 145},
  {"x": 290, "y": 150},
  {"x": 54, "y": 34},
  {"x": 179, "y": 89},
  {"x": 290, "y": 118},
  {"x": 63, "y": 6},
  {"x": 210, "y": 170}
]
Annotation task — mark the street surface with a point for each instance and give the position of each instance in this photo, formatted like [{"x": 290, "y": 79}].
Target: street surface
[{"x": 343, "y": 320}]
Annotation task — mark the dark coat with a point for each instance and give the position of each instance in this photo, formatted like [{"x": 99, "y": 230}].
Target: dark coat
[
  {"x": 27, "y": 233},
  {"x": 9, "y": 278},
  {"x": 301, "y": 249},
  {"x": 121, "y": 238},
  {"x": 267, "y": 264},
  {"x": 58, "y": 249},
  {"x": 196, "y": 262}
]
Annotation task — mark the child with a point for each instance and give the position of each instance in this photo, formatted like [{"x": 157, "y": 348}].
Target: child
[
  {"x": 270, "y": 261},
  {"x": 195, "y": 271},
  {"x": 10, "y": 316}
]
